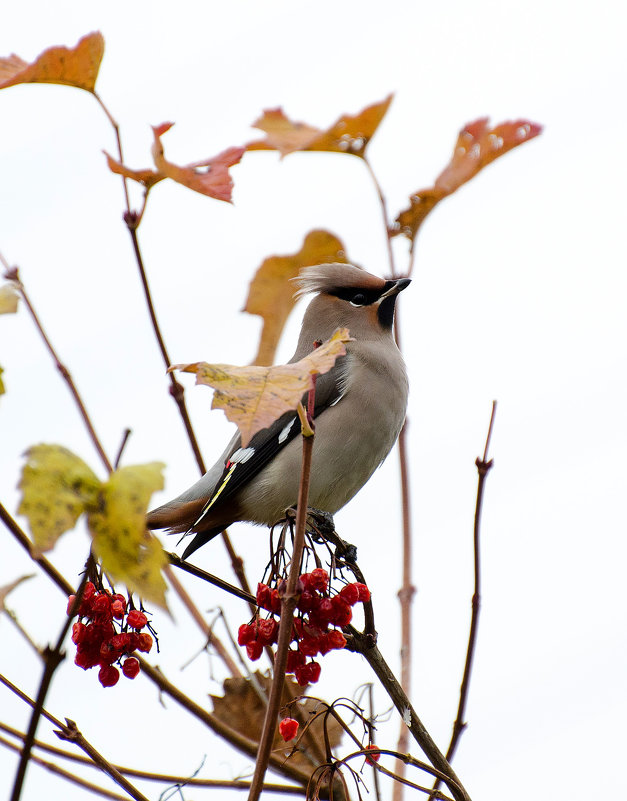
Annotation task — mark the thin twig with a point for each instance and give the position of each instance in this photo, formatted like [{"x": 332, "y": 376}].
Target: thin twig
[
  {"x": 13, "y": 274},
  {"x": 165, "y": 778},
  {"x": 202, "y": 624},
  {"x": 118, "y": 140},
  {"x": 64, "y": 774},
  {"x": 288, "y": 605},
  {"x": 483, "y": 468},
  {"x": 118, "y": 456},
  {"x": 193, "y": 570}
]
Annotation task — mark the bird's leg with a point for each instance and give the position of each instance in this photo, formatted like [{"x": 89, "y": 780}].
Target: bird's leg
[{"x": 322, "y": 530}]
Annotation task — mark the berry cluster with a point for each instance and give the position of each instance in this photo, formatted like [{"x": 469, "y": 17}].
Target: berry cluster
[
  {"x": 311, "y": 633},
  {"x": 97, "y": 640}
]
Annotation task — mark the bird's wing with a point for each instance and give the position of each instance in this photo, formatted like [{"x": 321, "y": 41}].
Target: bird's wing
[{"x": 242, "y": 464}]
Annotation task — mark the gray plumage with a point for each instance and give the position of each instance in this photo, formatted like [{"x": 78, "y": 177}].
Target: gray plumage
[{"x": 360, "y": 409}]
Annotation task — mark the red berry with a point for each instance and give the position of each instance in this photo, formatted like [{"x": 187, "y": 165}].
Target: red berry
[
  {"x": 314, "y": 672},
  {"x": 87, "y": 657},
  {"x": 306, "y": 601},
  {"x": 307, "y": 674},
  {"x": 130, "y": 668},
  {"x": 263, "y": 595},
  {"x": 336, "y": 639},
  {"x": 372, "y": 759},
  {"x": 268, "y": 631},
  {"x": 108, "y": 675},
  {"x": 144, "y": 642},
  {"x": 108, "y": 654},
  {"x": 78, "y": 632},
  {"x": 294, "y": 660},
  {"x": 309, "y": 646},
  {"x": 121, "y": 643},
  {"x": 118, "y": 608},
  {"x": 342, "y": 614},
  {"x": 319, "y": 579},
  {"x": 364, "y": 592},
  {"x": 102, "y": 605},
  {"x": 136, "y": 619},
  {"x": 350, "y": 594},
  {"x": 275, "y": 602},
  {"x": 254, "y": 650},
  {"x": 245, "y": 634},
  {"x": 133, "y": 641},
  {"x": 322, "y": 612},
  {"x": 288, "y": 728}
]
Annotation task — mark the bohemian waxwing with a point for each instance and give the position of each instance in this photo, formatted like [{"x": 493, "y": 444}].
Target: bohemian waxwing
[{"x": 359, "y": 411}]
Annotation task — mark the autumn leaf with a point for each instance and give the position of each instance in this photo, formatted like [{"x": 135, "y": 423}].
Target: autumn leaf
[
  {"x": 9, "y": 297},
  {"x": 350, "y": 134},
  {"x": 57, "y": 487},
  {"x": 477, "y": 146},
  {"x": 271, "y": 295},
  {"x": 2, "y": 389},
  {"x": 210, "y": 177},
  {"x": 146, "y": 177},
  {"x": 128, "y": 552},
  {"x": 76, "y": 66},
  {"x": 254, "y": 397},
  {"x": 242, "y": 708}
]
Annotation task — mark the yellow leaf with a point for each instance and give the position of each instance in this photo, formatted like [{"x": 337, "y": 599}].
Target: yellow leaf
[
  {"x": 350, "y": 134},
  {"x": 57, "y": 487},
  {"x": 71, "y": 67},
  {"x": 128, "y": 552},
  {"x": 271, "y": 294},
  {"x": 2, "y": 389},
  {"x": 254, "y": 397},
  {"x": 146, "y": 177},
  {"x": 9, "y": 297}
]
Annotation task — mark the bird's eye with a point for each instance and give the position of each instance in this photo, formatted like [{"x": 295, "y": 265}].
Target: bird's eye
[{"x": 358, "y": 299}]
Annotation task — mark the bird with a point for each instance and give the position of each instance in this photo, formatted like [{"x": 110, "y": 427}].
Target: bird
[{"x": 360, "y": 407}]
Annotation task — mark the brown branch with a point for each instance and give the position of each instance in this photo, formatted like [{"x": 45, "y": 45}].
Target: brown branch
[
  {"x": 233, "y": 737},
  {"x": 193, "y": 570},
  {"x": 13, "y": 274},
  {"x": 202, "y": 624},
  {"x": 64, "y": 774},
  {"x": 165, "y": 778},
  {"x": 363, "y": 644},
  {"x": 288, "y": 605},
  {"x": 483, "y": 468}
]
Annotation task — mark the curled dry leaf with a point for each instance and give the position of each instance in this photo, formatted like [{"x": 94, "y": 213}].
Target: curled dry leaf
[
  {"x": 254, "y": 397},
  {"x": 77, "y": 66},
  {"x": 271, "y": 295},
  {"x": 9, "y": 298},
  {"x": 477, "y": 146},
  {"x": 210, "y": 177},
  {"x": 350, "y": 134}
]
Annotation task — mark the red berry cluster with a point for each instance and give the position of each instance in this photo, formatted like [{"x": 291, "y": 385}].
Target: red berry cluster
[
  {"x": 318, "y": 610},
  {"x": 97, "y": 640}
]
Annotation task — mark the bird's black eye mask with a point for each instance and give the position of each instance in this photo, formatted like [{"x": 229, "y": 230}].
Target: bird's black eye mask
[{"x": 361, "y": 297}]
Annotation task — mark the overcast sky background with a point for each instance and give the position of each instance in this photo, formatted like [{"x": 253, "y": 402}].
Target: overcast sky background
[{"x": 518, "y": 294}]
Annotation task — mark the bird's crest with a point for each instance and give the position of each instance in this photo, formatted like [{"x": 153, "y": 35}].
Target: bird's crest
[{"x": 330, "y": 277}]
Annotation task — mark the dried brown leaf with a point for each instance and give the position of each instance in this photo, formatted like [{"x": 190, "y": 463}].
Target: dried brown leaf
[
  {"x": 241, "y": 708},
  {"x": 271, "y": 294},
  {"x": 254, "y": 397},
  {"x": 350, "y": 134},
  {"x": 76, "y": 66},
  {"x": 477, "y": 146},
  {"x": 146, "y": 177}
]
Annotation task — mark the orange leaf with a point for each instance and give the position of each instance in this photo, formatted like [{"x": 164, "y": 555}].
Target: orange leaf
[
  {"x": 271, "y": 294},
  {"x": 146, "y": 177},
  {"x": 477, "y": 146},
  {"x": 350, "y": 134},
  {"x": 254, "y": 397},
  {"x": 71, "y": 67},
  {"x": 215, "y": 181}
]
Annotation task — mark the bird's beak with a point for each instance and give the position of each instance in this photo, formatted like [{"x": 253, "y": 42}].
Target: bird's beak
[{"x": 397, "y": 286}]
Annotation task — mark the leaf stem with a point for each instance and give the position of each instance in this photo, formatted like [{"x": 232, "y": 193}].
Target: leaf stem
[{"x": 384, "y": 212}]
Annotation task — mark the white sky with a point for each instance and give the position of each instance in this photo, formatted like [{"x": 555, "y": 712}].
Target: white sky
[{"x": 519, "y": 295}]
